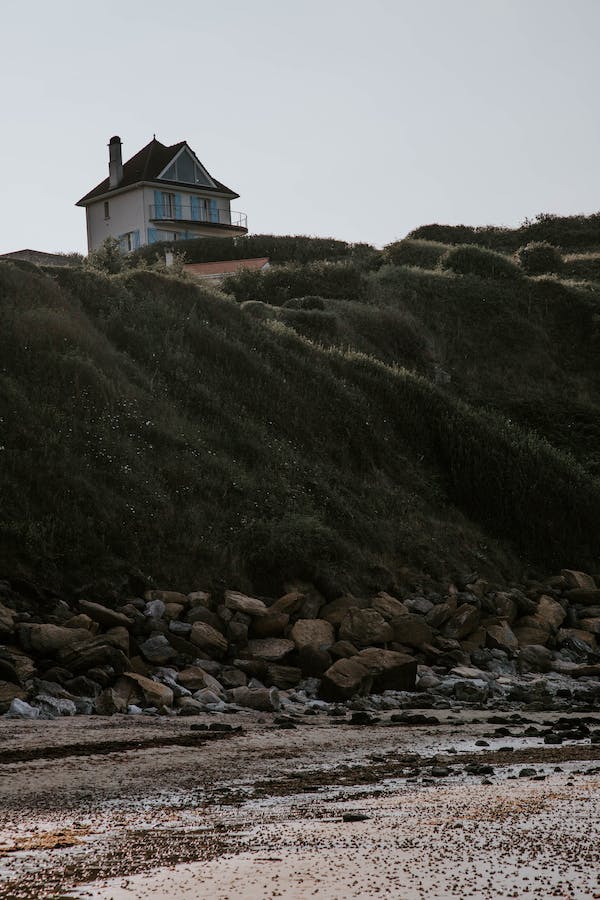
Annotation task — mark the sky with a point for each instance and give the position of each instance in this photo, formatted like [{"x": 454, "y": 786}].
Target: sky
[{"x": 353, "y": 119}]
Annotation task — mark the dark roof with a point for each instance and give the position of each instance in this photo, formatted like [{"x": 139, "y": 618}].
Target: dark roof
[{"x": 146, "y": 165}]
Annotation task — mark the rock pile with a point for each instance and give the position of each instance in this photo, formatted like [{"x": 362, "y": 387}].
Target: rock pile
[{"x": 166, "y": 652}]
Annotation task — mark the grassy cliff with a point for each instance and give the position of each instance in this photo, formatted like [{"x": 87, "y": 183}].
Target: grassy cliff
[{"x": 332, "y": 421}]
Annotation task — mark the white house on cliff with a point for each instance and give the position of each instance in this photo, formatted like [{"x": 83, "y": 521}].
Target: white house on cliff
[{"x": 160, "y": 194}]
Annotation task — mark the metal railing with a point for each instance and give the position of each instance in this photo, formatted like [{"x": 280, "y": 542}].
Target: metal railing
[{"x": 186, "y": 212}]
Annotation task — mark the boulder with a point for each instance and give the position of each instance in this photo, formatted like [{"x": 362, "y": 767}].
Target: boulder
[
  {"x": 208, "y": 638},
  {"x": 387, "y": 606},
  {"x": 574, "y": 580},
  {"x": 241, "y": 603},
  {"x": 14, "y": 662},
  {"x": 316, "y": 633},
  {"x": 576, "y": 634},
  {"x": 263, "y": 699},
  {"x": 420, "y": 605},
  {"x": 82, "y": 621},
  {"x": 230, "y": 677},
  {"x": 48, "y": 640},
  {"x": 271, "y": 625},
  {"x": 591, "y": 625},
  {"x": 7, "y": 620},
  {"x": 54, "y": 707},
  {"x": 108, "y": 618},
  {"x": 500, "y": 636},
  {"x": 530, "y": 631},
  {"x": 290, "y": 603},
  {"x": 155, "y": 609},
  {"x": 314, "y": 661},
  {"x": 504, "y": 606},
  {"x": 203, "y": 614},
  {"x": 283, "y": 677},
  {"x": 391, "y": 671},
  {"x": 109, "y": 702},
  {"x": 198, "y": 598},
  {"x": 19, "y": 709},
  {"x": 205, "y": 697},
  {"x": 365, "y": 627},
  {"x": 535, "y": 658},
  {"x": 154, "y": 693},
  {"x": 550, "y": 613},
  {"x": 270, "y": 649},
  {"x": 96, "y": 653},
  {"x": 471, "y": 690},
  {"x": 345, "y": 679},
  {"x": 194, "y": 678},
  {"x": 441, "y": 613},
  {"x": 173, "y": 611},
  {"x": 336, "y": 610},
  {"x": 411, "y": 630},
  {"x": 343, "y": 650},
  {"x": 475, "y": 641},
  {"x": 462, "y": 622},
  {"x": 157, "y": 650}
]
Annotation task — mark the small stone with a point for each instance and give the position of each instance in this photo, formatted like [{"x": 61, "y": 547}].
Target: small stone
[{"x": 354, "y": 817}]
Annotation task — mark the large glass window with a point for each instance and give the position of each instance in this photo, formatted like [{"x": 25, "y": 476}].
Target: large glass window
[{"x": 186, "y": 169}]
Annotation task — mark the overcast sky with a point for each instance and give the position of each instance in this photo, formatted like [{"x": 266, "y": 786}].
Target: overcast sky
[{"x": 357, "y": 119}]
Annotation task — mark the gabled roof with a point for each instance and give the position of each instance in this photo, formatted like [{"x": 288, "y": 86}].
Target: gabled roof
[
  {"x": 146, "y": 165},
  {"x": 225, "y": 267}
]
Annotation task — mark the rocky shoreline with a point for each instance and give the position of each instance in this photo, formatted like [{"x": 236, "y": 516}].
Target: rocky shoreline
[{"x": 137, "y": 650}]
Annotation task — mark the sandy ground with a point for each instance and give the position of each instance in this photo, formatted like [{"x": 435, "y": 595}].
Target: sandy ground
[{"x": 133, "y": 808}]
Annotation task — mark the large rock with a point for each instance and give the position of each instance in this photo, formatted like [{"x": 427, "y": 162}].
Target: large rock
[
  {"x": 95, "y": 653},
  {"x": 565, "y": 635},
  {"x": 530, "y": 631},
  {"x": 194, "y": 678},
  {"x": 157, "y": 650},
  {"x": 271, "y": 625},
  {"x": 7, "y": 619},
  {"x": 208, "y": 638},
  {"x": 463, "y": 622},
  {"x": 500, "y": 636},
  {"x": 591, "y": 625},
  {"x": 550, "y": 613},
  {"x": 241, "y": 603},
  {"x": 154, "y": 693},
  {"x": 574, "y": 580},
  {"x": 290, "y": 603},
  {"x": 283, "y": 677},
  {"x": 391, "y": 671},
  {"x": 109, "y": 702},
  {"x": 345, "y": 679},
  {"x": 48, "y": 640},
  {"x": 535, "y": 658},
  {"x": 264, "y": 699},
  {"x": 270, "y": 649},
  {"x": 316, "y": 633},
  {"x": 365, "y": 627},
  {"x": 504, "y": 606},
  {"x": 441, "y": 613},
  {"x": 388, "y": 607},
  {"x": 108, "y": 618},
  {"x": 167, "y": 597},
  {"x": 412, "y": 630},
  {"x": 336, "y": 610}
]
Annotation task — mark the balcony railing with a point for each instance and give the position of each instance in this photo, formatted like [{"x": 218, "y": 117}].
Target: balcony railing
[{"x": 197, "y": 213}]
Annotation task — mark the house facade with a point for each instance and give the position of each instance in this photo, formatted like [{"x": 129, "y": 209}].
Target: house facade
[{"x": 160, "y": 194}]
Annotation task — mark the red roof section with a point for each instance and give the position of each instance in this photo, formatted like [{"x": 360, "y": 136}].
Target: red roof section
[{"x": 225, "y": 267}]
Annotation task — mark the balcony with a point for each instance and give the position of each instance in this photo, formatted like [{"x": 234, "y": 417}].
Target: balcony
[{"x": 197, "y": 214}]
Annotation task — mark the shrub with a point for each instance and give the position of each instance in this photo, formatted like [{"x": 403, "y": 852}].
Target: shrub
[
  {"x": 108, "y": 257},
  {"x": 539, "y": 258},
  {"x": 309, "y": 302},
  {"x": 424, "y": 254},
  {"x": 468, "y": 259},
  {"x": 278, "y": 284}
]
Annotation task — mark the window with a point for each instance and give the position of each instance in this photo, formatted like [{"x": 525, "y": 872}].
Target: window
[
  {"x": 106, "y": 210},
  {"x": 168, "y": 205},
  {"x": 186, "y": 169}
]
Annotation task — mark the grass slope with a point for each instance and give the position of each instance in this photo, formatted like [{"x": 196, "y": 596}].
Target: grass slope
[{"x": 425, "y": 424}]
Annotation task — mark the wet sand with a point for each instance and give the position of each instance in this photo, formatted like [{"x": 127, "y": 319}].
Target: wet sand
[{"x": 261, "y": 813}]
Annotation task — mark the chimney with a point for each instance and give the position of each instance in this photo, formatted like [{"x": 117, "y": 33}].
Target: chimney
[{"x": 115, "y": 162}]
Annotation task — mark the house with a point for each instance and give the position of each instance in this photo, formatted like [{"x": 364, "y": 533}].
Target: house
[
  {"x": 160, "y": 194},
  {"x": 215, "y": 271},
  {"x": 42, "y": 258}
]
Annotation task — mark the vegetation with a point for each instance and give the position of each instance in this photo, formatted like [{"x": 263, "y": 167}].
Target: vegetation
[
  {"x": 539, "y": 258},
  {"x": 468, "y": 259},
  {"x": 323, "y": 420}
]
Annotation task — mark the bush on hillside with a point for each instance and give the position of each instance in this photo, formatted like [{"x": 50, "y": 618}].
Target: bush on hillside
[
  {"x": 279, "y": 284},
  {"x": 424, "y": 254},
  {"x": 469, "y": 259},
  {"x": 309, "y": 302},
  {"x": 583, "y": 266},
  {"x": 539, "y": 258}
]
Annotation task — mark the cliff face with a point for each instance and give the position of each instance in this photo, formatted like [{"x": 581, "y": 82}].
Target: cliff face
[{"x": 432, "y": 422}]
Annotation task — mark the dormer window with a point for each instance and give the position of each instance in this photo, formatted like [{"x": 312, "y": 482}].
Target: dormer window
[{"x": 187, "y": 170}]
